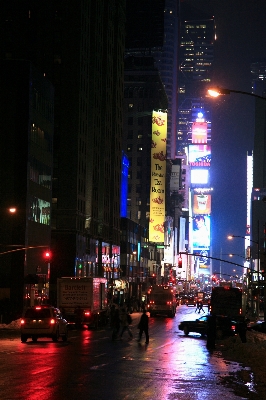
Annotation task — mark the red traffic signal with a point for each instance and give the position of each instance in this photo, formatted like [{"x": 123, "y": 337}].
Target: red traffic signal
[
  {"x": 47, "y": 256},
  {"x": 179, "y": 262}
]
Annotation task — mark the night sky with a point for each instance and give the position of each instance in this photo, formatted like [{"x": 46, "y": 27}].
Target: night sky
[{"x": 241, "y": 36}]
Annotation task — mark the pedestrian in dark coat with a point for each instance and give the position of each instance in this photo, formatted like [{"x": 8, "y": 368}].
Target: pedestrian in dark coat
[
  {"x": 144, "y": 326},
  {"x": 242, "y": 330},
  {"x": 201, "y": 307},
  {"x": 115, "y": 323},
  {"x": 124, "y": 323},
  {"x": 211, "y": 332}
]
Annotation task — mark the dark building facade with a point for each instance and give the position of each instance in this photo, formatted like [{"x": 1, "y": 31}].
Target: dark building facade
[
  {"x": 27, "y": 127},
  {"x": 152, "y": 30},
  {"x": 79, "y": 46},
  {"x": 143, "y": 92}
]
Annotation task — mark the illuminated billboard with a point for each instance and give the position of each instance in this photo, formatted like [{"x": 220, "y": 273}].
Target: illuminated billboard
[
  {"x": 175, "y": 178},
  {"x": 203, "y": 258},
  {"x": 199, "y": 176},
  {"x": 199, "y": 155},
  {"x": 199, "y": 132},
  {"x": 158, "y": 174},
  {"x": 201, "y": 203},
  {"x": 124, "y": 185},
  {"x": 39, "y": 210},
  {"x": 201, "y": 232}
]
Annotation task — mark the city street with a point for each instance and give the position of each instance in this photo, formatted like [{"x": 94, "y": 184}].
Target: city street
[{"x": 90, "y": 366}]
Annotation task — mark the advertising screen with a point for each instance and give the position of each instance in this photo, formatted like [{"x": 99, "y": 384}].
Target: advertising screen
[
  {"x": 199, "y": 132},
  {"x": 201, "y": 203},
  {"x": 39, "y": 210},
  {"x": 199, "y": 155},
  {"x": 199, "y": 176},
  {"x": 203, "y": 258},
  {"x": 201, "y": 232},
  {"x": 175, "y": 178}
]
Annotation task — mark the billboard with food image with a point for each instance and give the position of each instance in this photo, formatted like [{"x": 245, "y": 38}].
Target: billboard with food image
[
  {"x": 201, "y": 203},
  {"x": 158, "y": 174}
]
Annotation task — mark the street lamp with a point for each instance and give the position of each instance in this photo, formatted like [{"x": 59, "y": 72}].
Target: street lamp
[
  {"x": 238, "y": 255},
  {"x": 230, "y": 237},
  {"x": 215, "y": 92},
  {"x": 218, "y": 91}
]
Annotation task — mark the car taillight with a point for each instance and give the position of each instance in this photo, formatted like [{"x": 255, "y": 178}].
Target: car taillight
[
  {"x": 87, "y": 313},
  {"x": 22, "y": 321},
  {"x": 169, "y": 302},
  {"x": 52, "y": 322}
]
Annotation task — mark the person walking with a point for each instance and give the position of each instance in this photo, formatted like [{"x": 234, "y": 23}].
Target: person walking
[
  {"x": 115, "y": 323},
  {"x": 124, "y": 323},
  {"x": 144, "y": 326},
  {"x": 201, "y": 307},
  {"x": 242, "y": 330},
  {"x": 211, "y": 332},
  {"x": 209, "y": 305}
]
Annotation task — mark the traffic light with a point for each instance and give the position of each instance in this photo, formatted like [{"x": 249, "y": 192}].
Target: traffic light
[
  {"x": 179, "y": 262},
  {"x": 47, "y": 256}
]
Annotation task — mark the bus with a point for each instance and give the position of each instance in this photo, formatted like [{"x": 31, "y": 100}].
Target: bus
[{"x": 161, "y": 300}]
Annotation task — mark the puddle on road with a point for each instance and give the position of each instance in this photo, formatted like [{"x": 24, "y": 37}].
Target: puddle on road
[{"x": 239, "y": 378}]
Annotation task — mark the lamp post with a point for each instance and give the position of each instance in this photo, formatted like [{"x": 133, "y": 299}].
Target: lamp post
[
  {"x": 230, "y": 237},
  {"x": 231, "y": 255},
  {"x": 218, "y": 91}
]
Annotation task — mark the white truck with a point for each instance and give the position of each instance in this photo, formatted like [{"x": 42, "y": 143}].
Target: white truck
[
  {"x": 161, "y": 300},
  {"x": 83, "y": 301}
]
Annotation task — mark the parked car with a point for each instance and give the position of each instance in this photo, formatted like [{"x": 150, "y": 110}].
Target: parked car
[
  {"x": 259, "y": 326},
  {"x": 224, "y": 326},
  {"x": 43, "y": 321},
  {"x": 199, "y": 326}
]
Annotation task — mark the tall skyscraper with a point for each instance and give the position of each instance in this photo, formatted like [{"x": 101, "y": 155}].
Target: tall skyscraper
[
  {"x": 27, "y": 126},
  {"x": 144, "y": 92},
  {"x": 197, "y": 31},
  {"x": 197, "y": 37},
  {"x": 79, "y": 46},
  {"x": 156, "y": 34}
]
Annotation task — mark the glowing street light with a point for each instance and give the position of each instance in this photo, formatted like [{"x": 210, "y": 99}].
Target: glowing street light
[
  {"x": 218, "y": 91},
  {"x": 230, "y": 237},
  {"x": 238, "y": 255}
]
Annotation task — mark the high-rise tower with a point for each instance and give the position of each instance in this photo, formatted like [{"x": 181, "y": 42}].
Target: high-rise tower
[{"x": 79, "y": 46}]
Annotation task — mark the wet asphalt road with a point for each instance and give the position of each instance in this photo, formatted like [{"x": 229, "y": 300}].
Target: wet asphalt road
[{"x": 90, "y": 366}]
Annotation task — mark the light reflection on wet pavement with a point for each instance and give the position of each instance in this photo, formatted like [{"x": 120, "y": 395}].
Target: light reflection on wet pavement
[
  {"x": 194, "y": 373},
  {"x": 90, "y": 365},
  {"x": 186, "y": 370}
]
